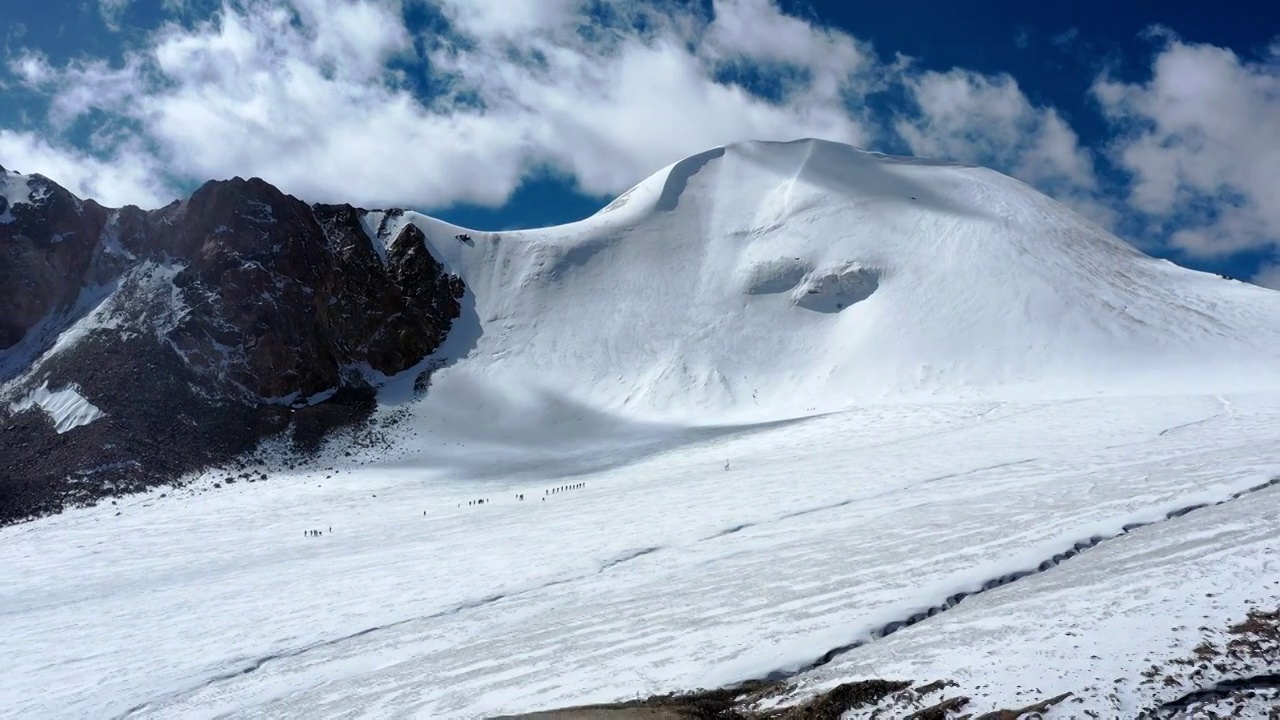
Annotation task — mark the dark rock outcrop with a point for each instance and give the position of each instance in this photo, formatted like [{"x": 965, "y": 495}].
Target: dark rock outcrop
[
  {"x": 46, "y": 253},
  {"x": 199, "y": 329}
]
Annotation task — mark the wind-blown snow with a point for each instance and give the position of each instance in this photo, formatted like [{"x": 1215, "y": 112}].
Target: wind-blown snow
[
  {"x": 804, "y": 392},
  {"x": 67, "y": 408}
]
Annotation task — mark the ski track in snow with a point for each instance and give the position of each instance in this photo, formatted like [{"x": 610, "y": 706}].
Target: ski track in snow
[{"x": 667, "y": 573}]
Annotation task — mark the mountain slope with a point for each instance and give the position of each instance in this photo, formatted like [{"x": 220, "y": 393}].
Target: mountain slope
[{"x": 766, "y": 279}]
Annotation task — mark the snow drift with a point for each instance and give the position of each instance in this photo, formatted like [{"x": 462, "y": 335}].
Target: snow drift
[{"x": 771, "y": 279}]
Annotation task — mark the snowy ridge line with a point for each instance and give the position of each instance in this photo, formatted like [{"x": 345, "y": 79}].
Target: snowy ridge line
[
  {"x": 956, "y": 598},
  {"x": 257, "y": 663}
]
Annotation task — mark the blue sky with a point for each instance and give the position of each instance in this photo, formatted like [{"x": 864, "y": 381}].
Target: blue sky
[{"x": 1158, "y": 120}]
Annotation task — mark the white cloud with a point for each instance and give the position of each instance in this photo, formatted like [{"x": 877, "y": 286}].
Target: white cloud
[
  {"x": 318, "y": 97},
  {"x": 1022, "y": 37},
  {"x": 510, "y": 19},
  {"x": 1268, "y": 275},
  {"x": 1067, "y": 38},
  {"x": 129, "y": 176},
  {"x": 82, "y": 85},
  {"x": 112, "y": 11},
  {"x": 965, "y": 116},
  {"x": 1199, "y": 140},
  {"x": 301, "y": 93},
  {"x": 756, "y": 30},
  {"x": 970, "y": 117},
  {"x": 32, "y": 68},
  {"x": 611, "y": 112}
]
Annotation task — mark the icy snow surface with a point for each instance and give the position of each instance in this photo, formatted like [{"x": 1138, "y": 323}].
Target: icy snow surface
[
  {"x": 67, "y": 408},
  {"x": 919, "y": 376}
]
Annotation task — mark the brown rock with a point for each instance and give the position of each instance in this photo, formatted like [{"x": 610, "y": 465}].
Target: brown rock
[{"x": 225, "y": 309}]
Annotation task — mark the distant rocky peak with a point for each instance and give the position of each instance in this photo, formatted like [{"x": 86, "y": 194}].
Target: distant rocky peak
[
  {"x": 250, "y": 219},
  {"x": 253, "y": 201}
]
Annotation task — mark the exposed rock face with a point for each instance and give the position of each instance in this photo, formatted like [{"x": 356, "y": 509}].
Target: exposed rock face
[
  {"x": 46, "y": 251},
  {"x": 284, "y": 295},
  {"x": 198, "y": 329}
]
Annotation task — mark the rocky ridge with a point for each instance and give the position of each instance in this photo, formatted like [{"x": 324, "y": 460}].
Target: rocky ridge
[{"x": 194, "y": 331}]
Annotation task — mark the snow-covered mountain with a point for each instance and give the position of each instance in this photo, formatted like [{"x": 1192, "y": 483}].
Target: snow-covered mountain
[
  {"x": 897, "y": 435},
  {"x": 770, "y": 278},
  {"x": 759, "y": 281}
]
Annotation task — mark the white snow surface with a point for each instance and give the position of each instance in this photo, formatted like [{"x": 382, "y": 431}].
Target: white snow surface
[
  {"x": 664, "y": 572},
  {"x": 371, "y": 223},
  {"x": 922, "y": 376},
  {"x": 67, "y": 408}
]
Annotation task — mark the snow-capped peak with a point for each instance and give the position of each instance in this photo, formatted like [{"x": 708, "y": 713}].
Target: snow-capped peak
[{"x": 775, "y": 277}]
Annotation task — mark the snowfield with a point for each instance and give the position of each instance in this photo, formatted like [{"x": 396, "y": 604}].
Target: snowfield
[
  {"x": 668, "y": 572},
  {"x": 788, "y": 409}
]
